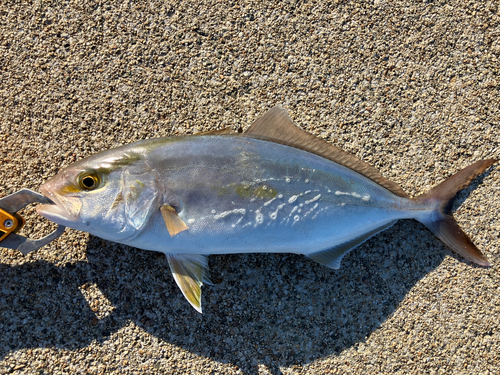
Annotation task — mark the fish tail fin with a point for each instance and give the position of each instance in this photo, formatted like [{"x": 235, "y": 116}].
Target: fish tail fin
[{"x": 441, "y": 221}]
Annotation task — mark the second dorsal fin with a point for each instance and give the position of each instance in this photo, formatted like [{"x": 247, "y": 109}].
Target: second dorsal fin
[{"x": 277, "y": 126}]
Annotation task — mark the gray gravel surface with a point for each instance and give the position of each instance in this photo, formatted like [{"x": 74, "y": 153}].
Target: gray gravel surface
[{"x": 412, "y": 87}]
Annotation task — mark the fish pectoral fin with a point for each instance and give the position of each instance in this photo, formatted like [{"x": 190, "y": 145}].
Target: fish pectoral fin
[
  {"x": 190, "y": 271},
  {"x": 331, "y": 258},
  {"x": 174, "y": 223}
]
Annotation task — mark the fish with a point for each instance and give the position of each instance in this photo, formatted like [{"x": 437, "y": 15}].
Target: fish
[{"x": 272, "y": 189}]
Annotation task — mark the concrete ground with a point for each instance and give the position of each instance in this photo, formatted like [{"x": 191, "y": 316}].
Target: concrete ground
[{"x": 411, "y": 87}]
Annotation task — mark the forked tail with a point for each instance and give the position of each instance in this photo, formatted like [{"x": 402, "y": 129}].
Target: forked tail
[{"x": 442, "y": 223}]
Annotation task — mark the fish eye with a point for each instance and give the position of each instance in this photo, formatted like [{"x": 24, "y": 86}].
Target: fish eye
[{"x": 89, "y": 180}]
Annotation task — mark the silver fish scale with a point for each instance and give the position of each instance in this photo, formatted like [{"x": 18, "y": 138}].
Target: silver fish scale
[{"x": 245, "y": 193}]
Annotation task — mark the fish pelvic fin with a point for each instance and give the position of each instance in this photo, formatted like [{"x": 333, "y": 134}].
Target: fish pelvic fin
[
  {"x": 190, "y": 271},
  {"x": 441, "y": 221}
]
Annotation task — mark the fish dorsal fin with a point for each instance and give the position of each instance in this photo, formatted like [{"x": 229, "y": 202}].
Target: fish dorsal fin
[
  {"x": 331, "y": 258},
  {"x": 277, "y": 126},
  {"x": 174, "y": 223},
  {"x": 190, "y": 271}
]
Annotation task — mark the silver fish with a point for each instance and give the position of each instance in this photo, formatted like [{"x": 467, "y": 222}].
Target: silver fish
[{"x": 273, "y": 189}]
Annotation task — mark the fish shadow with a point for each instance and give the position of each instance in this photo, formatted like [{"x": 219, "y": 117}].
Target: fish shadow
[
  {"x": 276, "y": 310},
  {"x": 285, "y": 310}
]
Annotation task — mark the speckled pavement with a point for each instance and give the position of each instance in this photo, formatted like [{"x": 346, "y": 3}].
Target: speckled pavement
[{"x": 412, "y": 87}]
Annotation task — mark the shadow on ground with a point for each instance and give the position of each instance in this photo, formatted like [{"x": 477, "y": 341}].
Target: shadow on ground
[{"x": 277, "y": 310}]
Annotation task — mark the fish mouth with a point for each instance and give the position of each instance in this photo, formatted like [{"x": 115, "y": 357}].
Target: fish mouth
[{"x": 55, "y": 211}]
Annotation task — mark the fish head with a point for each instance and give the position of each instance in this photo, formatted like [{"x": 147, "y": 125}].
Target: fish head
[{"x": 111, "y": 195}]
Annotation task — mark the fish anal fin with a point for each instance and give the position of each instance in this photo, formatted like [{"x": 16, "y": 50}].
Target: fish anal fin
[
  {"x": 331, "y": 258},
  {"x": 174, "y": 223},
  {"x": 189, "y": 271},
  {"x": 277, "y": 126}
]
